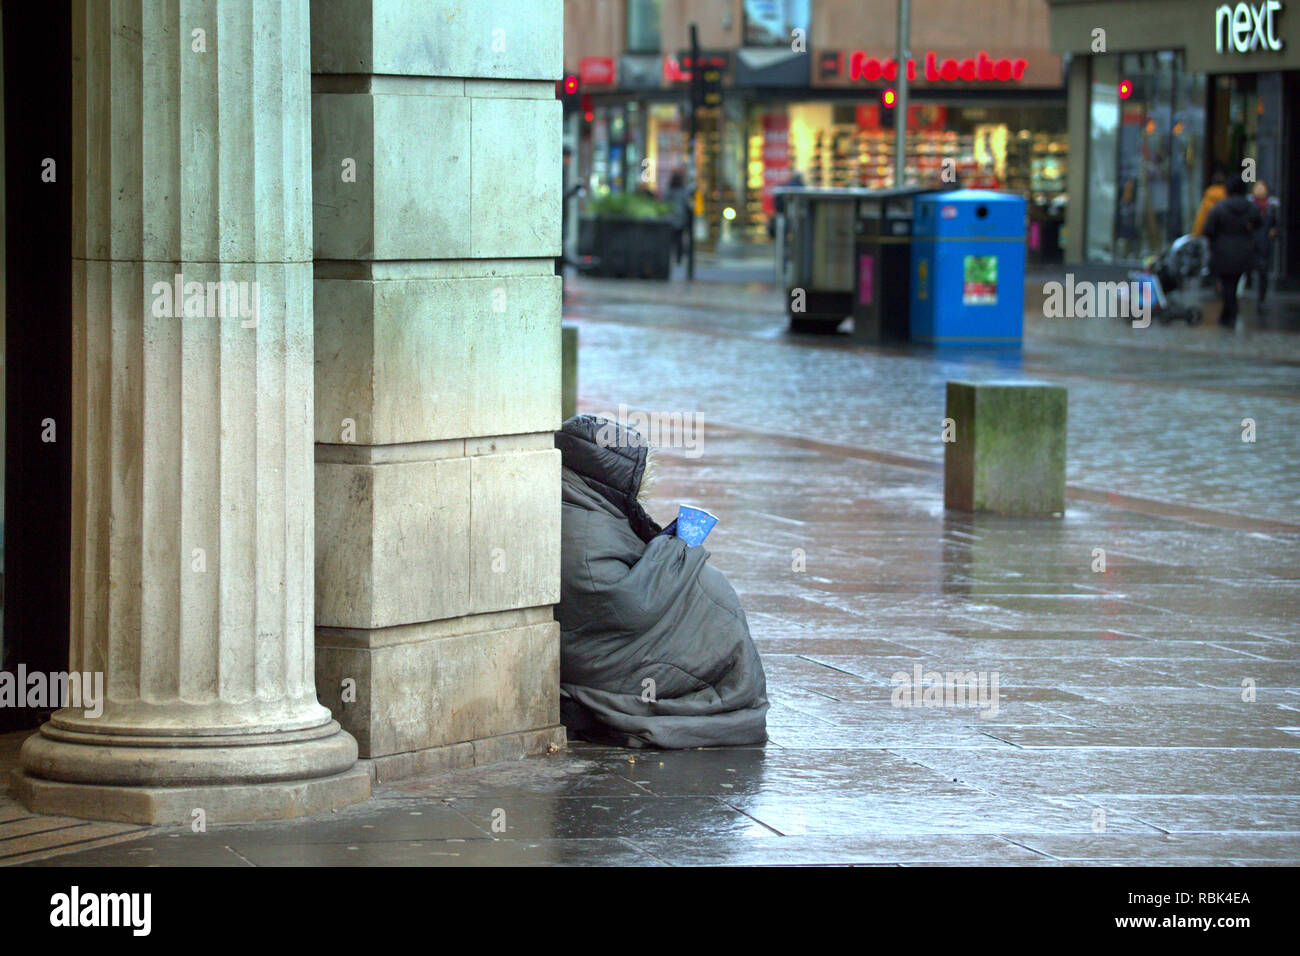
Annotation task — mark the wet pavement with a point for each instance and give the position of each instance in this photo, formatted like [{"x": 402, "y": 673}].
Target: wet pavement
[
  {"x": 1155, "y": 413},
  {"x": 1146, "y": 713}
]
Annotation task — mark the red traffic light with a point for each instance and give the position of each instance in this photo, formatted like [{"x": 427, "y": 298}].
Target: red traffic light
[
  {"x": 589, "y": 116},
  {"x": 889, "y": 98},
  {"x": 1125, "y": 89},
  {"x": 570, "y": 85}
]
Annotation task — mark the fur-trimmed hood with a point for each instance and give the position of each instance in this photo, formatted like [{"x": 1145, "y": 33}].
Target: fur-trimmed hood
[{"x": 610, "y": 459}]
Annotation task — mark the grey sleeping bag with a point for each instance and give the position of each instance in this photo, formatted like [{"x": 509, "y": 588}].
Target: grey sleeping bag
[{"x": 654, "y": 647}]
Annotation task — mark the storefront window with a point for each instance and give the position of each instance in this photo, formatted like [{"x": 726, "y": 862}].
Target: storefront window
[
  {"x": 635, "y": 173},
  {"x": 1188, "y": 152},
  {"x": 1017, "y": 149},
  {"x": 767, "y": 165},
  {"x": 731, "y": 179},
  {"x": 643, "y": 26},
  {"x": 772, "y": 22},
  {"x": 665, "y": 144},
  {"x": 1021, "y": 149},
  {"x": 1146, "y": 153},
  {"x": 1247, "y": 110},
  {"x": 599, "y": 182}
]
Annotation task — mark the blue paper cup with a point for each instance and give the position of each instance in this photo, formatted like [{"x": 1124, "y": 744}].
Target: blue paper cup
[{"x": 694, "y": 524}]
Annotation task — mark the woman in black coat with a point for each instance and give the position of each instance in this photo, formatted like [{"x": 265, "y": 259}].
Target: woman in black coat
[{"x": 1231, "y": 228}]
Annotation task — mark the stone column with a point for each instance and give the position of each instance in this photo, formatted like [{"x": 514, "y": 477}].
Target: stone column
[
  {"x": 436, "y": 160},
  {"x": 1079, "y": 120},
  {"x": 193, "y": 528}
]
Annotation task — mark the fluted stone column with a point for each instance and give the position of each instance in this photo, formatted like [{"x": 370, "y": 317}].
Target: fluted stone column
[
  {"x": 193, "y": 526},
  {"x": 437, "y": 155}
]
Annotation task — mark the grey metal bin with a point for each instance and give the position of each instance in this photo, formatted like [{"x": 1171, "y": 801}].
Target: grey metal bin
[
  {"x": 815, "y": 255},
  {"x": 882, "y": 263}
]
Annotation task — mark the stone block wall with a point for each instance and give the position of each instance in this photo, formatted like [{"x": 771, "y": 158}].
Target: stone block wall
[{"x": 436, "y": 193}]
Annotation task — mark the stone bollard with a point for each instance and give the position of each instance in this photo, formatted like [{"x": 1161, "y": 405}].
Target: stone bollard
[
  {"x": 1006, "y": 452},
  {"x": 569, "y": 376}
]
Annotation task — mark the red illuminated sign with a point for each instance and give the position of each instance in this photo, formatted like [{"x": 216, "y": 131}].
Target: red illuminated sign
[
  {"x": 980, "y": 68},
  {"x": 673, "y": 72},
  {"x": 596, "y": 70},
  {"x": 830, "y": 63},
  {"x": 677, "y": 69}
]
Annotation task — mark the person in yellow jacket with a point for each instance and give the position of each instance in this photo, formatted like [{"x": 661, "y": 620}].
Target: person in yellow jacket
[{"x": 1216, "y": 191}]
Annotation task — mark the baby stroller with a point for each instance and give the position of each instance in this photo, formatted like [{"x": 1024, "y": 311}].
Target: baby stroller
[{"x": 1170, "y": 279}]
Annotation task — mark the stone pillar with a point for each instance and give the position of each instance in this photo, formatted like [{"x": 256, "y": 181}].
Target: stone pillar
[
  {"x": 193, "y": 529},
  {"x": 436, "y": 160},
  {"x": 1079, "y": 119}
]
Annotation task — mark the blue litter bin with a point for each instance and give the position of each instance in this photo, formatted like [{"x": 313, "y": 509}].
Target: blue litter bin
[{"x": 968, "y": 268}]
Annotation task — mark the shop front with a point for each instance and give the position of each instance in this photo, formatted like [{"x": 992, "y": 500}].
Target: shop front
[
  {"x": 637, "y": 137},
  {"x": 981, "y": 121},
  {"x": 981, "y": 118},
  {"x": 1164, "y": 93}
]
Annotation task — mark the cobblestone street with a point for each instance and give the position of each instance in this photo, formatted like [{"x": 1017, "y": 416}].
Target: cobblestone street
[{"x": 1148, "y": 713}]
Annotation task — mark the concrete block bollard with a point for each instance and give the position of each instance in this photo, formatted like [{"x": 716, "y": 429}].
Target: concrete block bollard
[
  {"x": 569, "y": 376},
  {"x": 1004, "y": 448}
]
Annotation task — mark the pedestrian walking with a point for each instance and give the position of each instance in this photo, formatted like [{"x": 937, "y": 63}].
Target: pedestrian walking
[
  {"x": 1214, "y": 194},
  {"x": 1265, "y": 237},
  {"x": 679, "y": 197},
  {"x": 1231, "y": 228}
]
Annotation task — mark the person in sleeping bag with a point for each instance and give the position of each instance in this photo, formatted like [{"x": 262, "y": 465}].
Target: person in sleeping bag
[{"x": 654, "y": 646}]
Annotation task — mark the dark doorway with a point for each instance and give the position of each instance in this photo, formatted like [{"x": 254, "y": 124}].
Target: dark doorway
[{"x": 38, "y": 341}]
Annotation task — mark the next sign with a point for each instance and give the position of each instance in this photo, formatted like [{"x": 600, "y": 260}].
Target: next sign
[{"x": 1246, "y": 27}]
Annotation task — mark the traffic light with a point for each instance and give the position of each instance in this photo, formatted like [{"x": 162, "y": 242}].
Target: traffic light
[
  {"x": 710, "y": 85},
  {"x": 888, "y": 101},
  {"x": 570, "y": 93},
  {"x": 1125, "y": 89}
]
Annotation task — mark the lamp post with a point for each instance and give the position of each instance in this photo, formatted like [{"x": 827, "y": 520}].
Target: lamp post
[
  {"x": 901, "y": 57},
  {"x": 691, "y": 184}
]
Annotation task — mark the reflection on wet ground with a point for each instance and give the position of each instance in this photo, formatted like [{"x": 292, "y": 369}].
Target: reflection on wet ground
[{"x": 1147, "y": 712}]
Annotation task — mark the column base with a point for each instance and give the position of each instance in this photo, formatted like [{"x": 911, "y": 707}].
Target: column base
[
  {"x": 176, "y": 761},
  {"x": 158, "y": 806},
  {"x": 158, "y": 780}
]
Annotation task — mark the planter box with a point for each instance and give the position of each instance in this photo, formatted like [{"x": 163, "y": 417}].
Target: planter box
[{"x": 625, "y": 248}]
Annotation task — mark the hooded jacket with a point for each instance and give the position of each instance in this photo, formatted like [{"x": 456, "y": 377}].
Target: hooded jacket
[
  {"x": 654, "y": 646},
  {"x": 1231, "y": 228}
]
